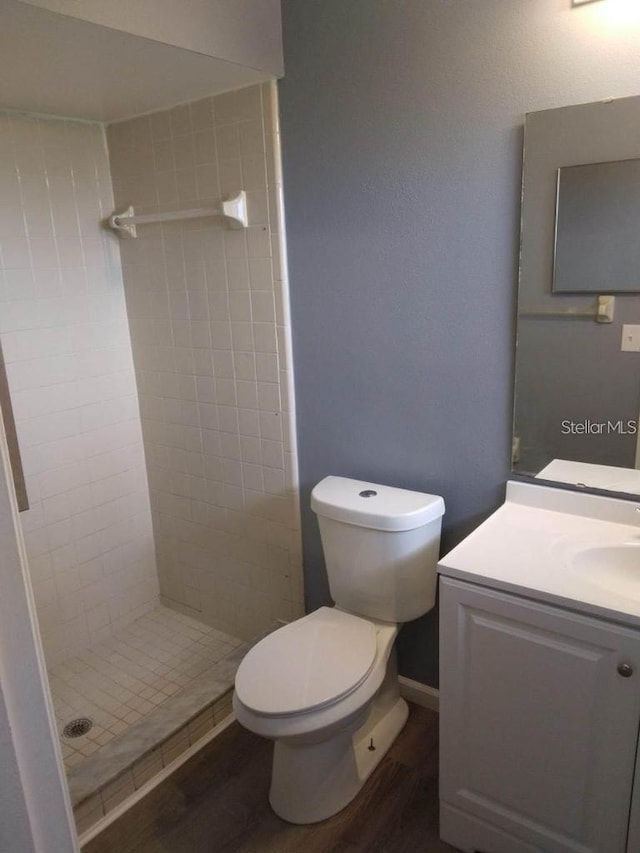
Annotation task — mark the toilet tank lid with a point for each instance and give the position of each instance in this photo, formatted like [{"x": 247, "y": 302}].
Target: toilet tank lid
[{"x": 371, "y": 505}]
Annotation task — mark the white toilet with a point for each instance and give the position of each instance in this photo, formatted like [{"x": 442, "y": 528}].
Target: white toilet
[{"x": 325, "y": 688}]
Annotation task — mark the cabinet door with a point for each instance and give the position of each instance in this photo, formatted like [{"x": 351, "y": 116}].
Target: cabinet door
[{"x": 538, "y": 729}]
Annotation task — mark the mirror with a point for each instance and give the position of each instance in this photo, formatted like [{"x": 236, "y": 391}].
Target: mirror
[
  {"x": 598, "y": 228},
  {"x": 577, "y": 381}
]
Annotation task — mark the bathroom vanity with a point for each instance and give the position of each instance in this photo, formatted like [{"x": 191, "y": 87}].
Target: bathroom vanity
[{"x": 540, "y": 677}]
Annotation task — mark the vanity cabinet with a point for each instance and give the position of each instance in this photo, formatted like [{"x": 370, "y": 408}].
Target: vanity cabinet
[{"x": 539, "y": 717}]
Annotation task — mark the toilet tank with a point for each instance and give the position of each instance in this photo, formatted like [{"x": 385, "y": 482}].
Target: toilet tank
[{"x": 381, "y": 547}]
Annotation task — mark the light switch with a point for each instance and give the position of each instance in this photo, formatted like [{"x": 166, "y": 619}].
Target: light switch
[{"x": 630, "y": 339}]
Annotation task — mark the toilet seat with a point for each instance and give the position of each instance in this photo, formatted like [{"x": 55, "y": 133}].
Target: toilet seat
[{"x": 310, "y": 664}]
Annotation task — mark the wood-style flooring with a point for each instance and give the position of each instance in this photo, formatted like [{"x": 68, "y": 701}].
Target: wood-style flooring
[{"x": 217, "y": 803}]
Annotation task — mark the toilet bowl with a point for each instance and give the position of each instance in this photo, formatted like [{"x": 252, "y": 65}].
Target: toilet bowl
[
  {"x": 325, "y": 687},
  {"x": 322, "y": 710}
]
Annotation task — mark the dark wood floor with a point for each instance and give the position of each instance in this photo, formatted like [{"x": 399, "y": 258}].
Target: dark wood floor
[{"x": 217, "y": 803}]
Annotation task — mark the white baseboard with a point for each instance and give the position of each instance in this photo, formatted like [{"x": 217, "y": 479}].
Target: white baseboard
[{"x": 419, "y": 694}]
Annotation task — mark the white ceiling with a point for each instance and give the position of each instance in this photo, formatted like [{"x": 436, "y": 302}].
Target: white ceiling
[{"x": 54, "y": 64}]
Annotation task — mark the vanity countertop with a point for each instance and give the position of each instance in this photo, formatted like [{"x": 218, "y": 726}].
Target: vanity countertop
[
  {"x": 567, "y": 548},
  {"x": 594, "y": 476}
]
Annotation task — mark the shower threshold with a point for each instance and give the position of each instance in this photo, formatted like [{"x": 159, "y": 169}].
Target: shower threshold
[{"x": 151, "y": 692}]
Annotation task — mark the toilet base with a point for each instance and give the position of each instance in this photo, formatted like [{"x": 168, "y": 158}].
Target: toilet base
[{"x": 311, "y": 782}]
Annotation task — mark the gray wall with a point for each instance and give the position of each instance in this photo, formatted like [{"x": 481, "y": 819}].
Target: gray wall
[{"x": 402, "y": 145}]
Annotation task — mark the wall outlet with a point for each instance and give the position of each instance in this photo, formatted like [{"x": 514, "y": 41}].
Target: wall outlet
[{"x": 630, "y": 339}]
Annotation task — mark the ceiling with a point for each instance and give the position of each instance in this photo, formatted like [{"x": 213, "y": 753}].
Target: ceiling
[{"x": 62, "y": 66}]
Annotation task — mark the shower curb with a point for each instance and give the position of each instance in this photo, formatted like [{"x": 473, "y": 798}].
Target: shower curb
[
  {"x": 150, "y": 735},
  {"x": 128, "y": 764},
  {"x": 102, "y": 822}
]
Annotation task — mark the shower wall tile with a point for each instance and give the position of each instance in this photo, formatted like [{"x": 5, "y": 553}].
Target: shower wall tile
[
  {"x": 65, "y": 338},
  {"x": 209, "y": 329}
]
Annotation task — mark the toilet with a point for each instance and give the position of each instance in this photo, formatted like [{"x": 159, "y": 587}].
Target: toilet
[{"x": 325, "y": 687}]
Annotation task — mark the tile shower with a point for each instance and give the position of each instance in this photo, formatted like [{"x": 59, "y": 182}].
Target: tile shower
[{"x": 150, "y": 381}]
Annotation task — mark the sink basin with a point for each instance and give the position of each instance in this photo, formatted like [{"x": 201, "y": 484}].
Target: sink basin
[{"x": 614, "y": 567}]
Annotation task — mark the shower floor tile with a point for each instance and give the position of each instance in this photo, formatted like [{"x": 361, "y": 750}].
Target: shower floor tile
[{"x": 120, "y": 681}]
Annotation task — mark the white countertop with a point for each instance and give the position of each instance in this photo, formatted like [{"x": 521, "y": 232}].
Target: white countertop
[
  {"x": 595, "y": 476},
  {"x": 528, "y": 547}
]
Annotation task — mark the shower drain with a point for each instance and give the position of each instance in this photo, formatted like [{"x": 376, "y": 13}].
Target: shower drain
[{"x": 77, "y": 728}]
